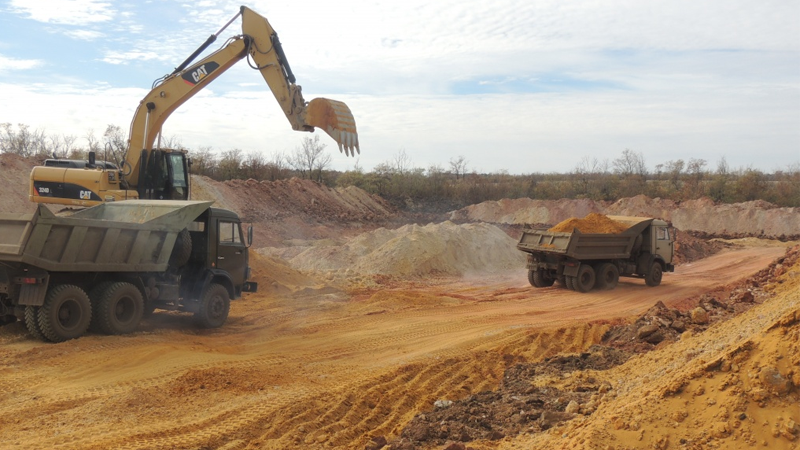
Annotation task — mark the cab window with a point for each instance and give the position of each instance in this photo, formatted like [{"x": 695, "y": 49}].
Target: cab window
[
  {"x": 662, "y": 234},
  {"x": 230, "y": 233}
]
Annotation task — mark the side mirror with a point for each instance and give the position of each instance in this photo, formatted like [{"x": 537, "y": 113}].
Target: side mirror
[
  {"x": 250, "y": 235},
  {"x": 92, "y": 159}
]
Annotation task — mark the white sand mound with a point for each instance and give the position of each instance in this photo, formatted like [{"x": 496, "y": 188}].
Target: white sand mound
[{"x": 414, "y": 250}]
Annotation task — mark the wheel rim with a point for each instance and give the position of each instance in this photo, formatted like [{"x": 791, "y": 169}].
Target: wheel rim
[
  {"x": 69, "y": 314},
  {"x": 657, "y": 274},
  {"x": 216, "y": 307},
  {"x": 124, "y": 309},
  {"x": 608, "y": 277}
]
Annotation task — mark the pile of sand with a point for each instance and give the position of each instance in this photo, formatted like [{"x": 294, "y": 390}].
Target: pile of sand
[
  {"x": 592, "y": 223},
  {"x": 275, "y": 277},
  {"x": 414, "y": 250}
]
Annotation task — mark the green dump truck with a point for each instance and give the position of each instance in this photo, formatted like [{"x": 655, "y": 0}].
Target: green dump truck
[
  {"x": 586, "y": 261},
  {"x": 107, "y": 265}
]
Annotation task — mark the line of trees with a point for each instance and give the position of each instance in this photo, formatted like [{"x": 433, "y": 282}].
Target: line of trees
[{"x": 455, "y": 185}]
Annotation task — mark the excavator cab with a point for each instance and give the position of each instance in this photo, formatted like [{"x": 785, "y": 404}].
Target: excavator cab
[{"x": 165, "y": 175}]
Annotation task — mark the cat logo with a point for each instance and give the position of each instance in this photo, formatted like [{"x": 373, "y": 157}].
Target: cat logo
[
  {"x": 85, "y": 195},
  {"x": 196, "y": 74},
  {"x": 199, "y": 74}
]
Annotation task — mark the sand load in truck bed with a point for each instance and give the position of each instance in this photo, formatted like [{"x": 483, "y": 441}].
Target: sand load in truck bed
[{"x": 592, "y": 223}]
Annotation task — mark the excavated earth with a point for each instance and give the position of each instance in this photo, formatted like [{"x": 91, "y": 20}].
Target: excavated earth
[{"x": 369, "y": 332}]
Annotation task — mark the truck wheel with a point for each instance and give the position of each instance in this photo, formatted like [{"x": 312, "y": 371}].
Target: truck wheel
[
  {"x": 119, "y": 308},
  {"x": 607, "y": 276},
  {"x": 584, "y": 281},
  {"x": 94, "y": 297},
  {"x": 183, "y": 249},
  {"x": 538, "y": 278},
  {"x": 531, "y": 279},
  {"x": 66, "y": 313},
  {"x": 653, "y": 276},
  {"x": 569, "y": 282},
  {"x": 32, "y": 322},
  {"x": 542, "y": 279},
  {"x": 214, "y": 307}
]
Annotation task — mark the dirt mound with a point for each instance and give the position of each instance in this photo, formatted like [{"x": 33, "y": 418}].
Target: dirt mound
[
  {"x": 14, "y": 176},
  {"x": 296, "y": 209},
  {"x": 518, "y": 405},
  {"x": 260, "y": 201},
  {"x": 592, "y": 223},
  {"x": 275, "y": 277},
  {"x": 690, "y": 248},
  {"x": 723, "y": 377},
  {"x": 414, "y": 250},
  {"x": 730, "y": 220}
]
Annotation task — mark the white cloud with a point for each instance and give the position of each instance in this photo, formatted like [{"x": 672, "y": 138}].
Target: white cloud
[
  {"x": 114, "y": 57},
  {"x": 84, "y": 35},
  {"x": 64, "y": 12},
  {"x": 9, "y": 64}
]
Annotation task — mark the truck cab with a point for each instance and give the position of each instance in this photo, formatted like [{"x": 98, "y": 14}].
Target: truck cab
[
  {"x": 663, "y": 242},
  {"x": 219, "y": 253}
]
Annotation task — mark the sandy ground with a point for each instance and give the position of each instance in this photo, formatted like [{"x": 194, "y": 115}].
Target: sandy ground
[
  {"x": 327, "y": 359},
  {"x": 327, "y": 370}
]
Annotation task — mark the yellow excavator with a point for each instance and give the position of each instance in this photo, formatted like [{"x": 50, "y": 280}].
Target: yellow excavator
[{"x": 150, "y": 172}]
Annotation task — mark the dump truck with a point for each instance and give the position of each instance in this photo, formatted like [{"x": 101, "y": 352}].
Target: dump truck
[
  {"x": 106, "y": 266},
  {"x": 586, "y": 261}
]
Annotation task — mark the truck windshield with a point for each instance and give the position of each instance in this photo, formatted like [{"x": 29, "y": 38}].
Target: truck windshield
[{"x": 662, "y": 234}]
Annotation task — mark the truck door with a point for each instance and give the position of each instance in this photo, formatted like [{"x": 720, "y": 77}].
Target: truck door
[
  {"x": 231, "y": 251},
  {"x": 664, "y": 245}
]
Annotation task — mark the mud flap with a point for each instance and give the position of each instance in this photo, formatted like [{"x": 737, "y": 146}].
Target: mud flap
[
  {"x": 32, "y": 289},
  {"x": 571, "y": 269}
]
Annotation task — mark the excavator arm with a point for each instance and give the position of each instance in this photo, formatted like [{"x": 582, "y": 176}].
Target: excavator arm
[{"x": 259, "y": 43}]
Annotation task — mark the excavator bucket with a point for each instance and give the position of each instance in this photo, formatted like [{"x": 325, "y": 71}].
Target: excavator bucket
[{"x": 335, "y": 118}]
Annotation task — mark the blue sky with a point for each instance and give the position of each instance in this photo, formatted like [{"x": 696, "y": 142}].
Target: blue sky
[{"x": 522, "y": 86}]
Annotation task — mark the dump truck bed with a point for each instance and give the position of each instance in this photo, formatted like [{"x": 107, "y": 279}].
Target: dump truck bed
[
  {"x": 585, "y": 246},
  {"x": 126, "y": 236}
]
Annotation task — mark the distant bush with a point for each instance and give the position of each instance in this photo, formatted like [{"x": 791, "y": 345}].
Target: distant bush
[{"x": 436, "y": 188}]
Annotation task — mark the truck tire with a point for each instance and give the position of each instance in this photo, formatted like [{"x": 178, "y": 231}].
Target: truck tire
[
  {"x": 607, "y": 276},
  {"x": 653, "y": 276},
  {"x": 32, "y": 322},
  {"x": 584, "y": 281},
  {"x": 538, "y": 278},
  {"x": 119, "y": 308},
  {"x": 182, "y": 251},
  {"x": 94, "y": 297},
  {"x": 569, "y": 282},
  {"x": 65, "y": 314},
  {"x": 214, "y": 307}
]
